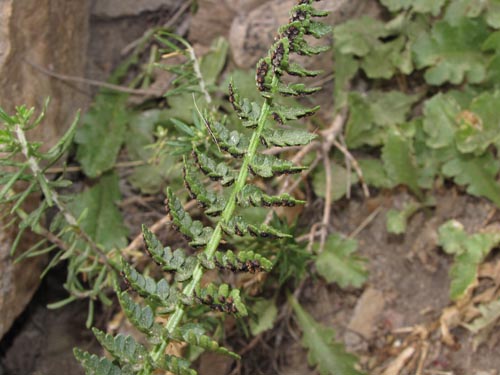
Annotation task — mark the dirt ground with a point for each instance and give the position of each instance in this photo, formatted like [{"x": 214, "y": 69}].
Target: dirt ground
[{"x": 394, "y": 317}]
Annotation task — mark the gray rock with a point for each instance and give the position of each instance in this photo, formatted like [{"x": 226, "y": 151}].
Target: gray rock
[{"x": 127, "y": 8}]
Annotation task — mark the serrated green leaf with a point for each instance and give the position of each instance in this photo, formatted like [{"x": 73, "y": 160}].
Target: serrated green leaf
[
  {"x": 269, "y": 165},
  {"x": 266, "y": 312},
  {"x": 452, "y": 237},
  {"x": 124, "y": 348},
  {"x": 102, "y": 133},
  {"x": 288, "y": 137},
  {"x": 357, "y": 37},
  {"x": 469, "y": 250},
  {"x": 458, "y": 9},
  {"x": 420, "y": 6},
  {"x": 374, "y": 173},
  {"x": 450, "y": 52},
  {"x": 478, "y": 127},
  {"x": 477, "y": 173},
  {"x": 397, "y": 220},
  {"x": 372, "y": 116},
  {"x": 368, "y": 39},
  {"x": 338, "y": 262},
  {"x": 463, "y": 274},
  {"x": 383, "y": 61},
  {"x": 103, "y": 221},
  {"x": 95, "y": 365},
  {"x": 328, "y": 355},
  {"x": 399, "y": 161},
  {"x": 440, "y": 114}
]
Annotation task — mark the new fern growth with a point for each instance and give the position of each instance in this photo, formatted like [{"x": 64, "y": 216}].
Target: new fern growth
[{"x": 173, "y": 300}]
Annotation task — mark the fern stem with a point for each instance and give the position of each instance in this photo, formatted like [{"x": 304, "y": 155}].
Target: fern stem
[{"x": 227, "y": 213}]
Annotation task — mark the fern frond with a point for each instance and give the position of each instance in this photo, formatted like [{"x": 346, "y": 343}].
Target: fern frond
[
  {"x": 95, "y": 365},
  {"x": 240, "y": 170}
]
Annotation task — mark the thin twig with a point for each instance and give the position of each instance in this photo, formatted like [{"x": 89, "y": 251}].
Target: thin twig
[
  {"x": 365, "y": 222},
  {"x": 92, "y": 82},
  {"x": 75, "y": 168},
  {"x": 328, "y": 197},
  {"x": 354, "y": 164}
]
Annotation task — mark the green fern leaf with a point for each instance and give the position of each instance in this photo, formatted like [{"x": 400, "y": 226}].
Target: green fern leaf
[
  {"x": 194, "y": 335},
  {"x": 124, "y": 348},
  {"x": 269, "y": 165},
  {"x": 95, "y": 365},
  {"x": 222, "y": 298},
  {"x": 215, "y": 171},
  {"x": 288, "y": 137},
  {"x": 232, "y": 142},
  {"x": 212, "y": 203},
  {"x": 175, "y": 365},
  {"x": 193, "y": 229},
  {"x": 244, "y": 261},
  {"x": 252, "y": 195},
  {"x": 141, "y": 317},
  {"x": 158, "y": 293}
]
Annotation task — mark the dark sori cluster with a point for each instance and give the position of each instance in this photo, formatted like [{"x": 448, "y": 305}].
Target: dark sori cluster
[{"x": 164, "y": 311}]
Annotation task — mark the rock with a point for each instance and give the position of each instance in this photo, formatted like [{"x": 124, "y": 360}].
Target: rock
[
  {"x": 365, "y": 317},
  {"x": 213, "y": 19},
  {"x": 127, "y": 8},
  {"x": 51, "y": 34}
]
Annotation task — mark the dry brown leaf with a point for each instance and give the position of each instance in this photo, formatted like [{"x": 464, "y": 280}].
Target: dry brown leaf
[
  {"x": 398, "y": 364},
  {"x": 450, "y": 318}
]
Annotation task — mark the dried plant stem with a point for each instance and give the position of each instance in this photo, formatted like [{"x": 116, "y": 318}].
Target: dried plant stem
[{"x": 92, "y": 82}]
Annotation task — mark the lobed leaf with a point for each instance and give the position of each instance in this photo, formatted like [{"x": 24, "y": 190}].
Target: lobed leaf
[
  {"x": 214, "y": 170},
  {"x": 193, "y": 229},
  {"x": 269, "y": 165},
  {"x": 177, "y": 261},
  {"x": 141, "y": 317},
  {"x": 399, "y": 161},
  {"x": 124, "y": 348},
  {"x": 222, "y": 299},
  {"x": 244, "y": 261},
  {"x": 175, "y": 365},
  {"x": 450, "y": 53},
  {"x": 238, "y": 226},
  {"x": 247, "y": 110},
  {"x": 95, "y": 365},
  {"x": 330, "y": 356},
  {"x": 157, "y": 292},
  {"x": 252, "y": 195},
  {"x": 232, "y": 142},
  {"x": 288, "y": 137},
  {"x": 193, "y": 335},
  {"x": 338, "y": 263},
  {"x": 210, "y": 201},
  {"x": 477, "y": 173}
]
